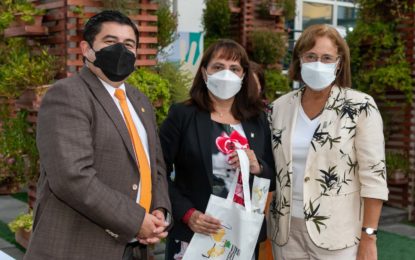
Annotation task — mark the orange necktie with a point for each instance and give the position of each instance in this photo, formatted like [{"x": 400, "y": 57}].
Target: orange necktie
[{"x": 143, "y": 165}]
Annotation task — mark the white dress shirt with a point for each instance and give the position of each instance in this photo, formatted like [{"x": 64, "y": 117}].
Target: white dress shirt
[{"x": 137, "y": 122}]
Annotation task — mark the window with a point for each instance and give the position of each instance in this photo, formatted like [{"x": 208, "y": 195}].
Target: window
[
  {"x": 340, "y": 13},
  {"x": 314, "y": 13},
  {"x": 346, "y": 17}
]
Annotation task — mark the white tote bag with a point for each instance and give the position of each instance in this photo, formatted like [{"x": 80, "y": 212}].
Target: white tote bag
[{"x": 240, "y": 225}]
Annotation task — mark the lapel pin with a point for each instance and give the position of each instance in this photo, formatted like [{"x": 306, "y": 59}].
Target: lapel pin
[
  {"x": 252, "y": 135},
  {"x": 143, "y": 110}
]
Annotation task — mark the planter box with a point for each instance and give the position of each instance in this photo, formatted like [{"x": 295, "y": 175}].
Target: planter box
[
  {"x": 8, "y": 188},
  {"x": 20, "y": 28},
  {"x": 31, "y": 98},
  {"x": 22, "y": 237}
]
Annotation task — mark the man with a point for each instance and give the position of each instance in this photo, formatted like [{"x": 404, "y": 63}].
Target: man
[{"x": 103, "y": 188}]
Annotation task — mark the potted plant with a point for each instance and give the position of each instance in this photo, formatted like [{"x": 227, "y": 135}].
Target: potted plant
[
  {"x": 21, "y": 69},
  {"x": 166, "y": 24},
  {"x": 268, "y": 47},
  {"x": 21, "y": 226},
  {"x": 216, "y": 21},
  {"x": 277, "y": 84},
  {"x": 20, "y": 18},
  {"x": 18, "y": 153},
  {"x": 397, "y": 166}
]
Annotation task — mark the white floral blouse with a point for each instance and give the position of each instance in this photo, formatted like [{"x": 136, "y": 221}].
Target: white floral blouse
[{"x": 345, "y": 163}]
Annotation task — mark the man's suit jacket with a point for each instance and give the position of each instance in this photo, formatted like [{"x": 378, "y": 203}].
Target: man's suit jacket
[
  {"x": 345, "y": 163},
  {"x": 186, "y": 140},
  {"x": 86, "y": 205}
]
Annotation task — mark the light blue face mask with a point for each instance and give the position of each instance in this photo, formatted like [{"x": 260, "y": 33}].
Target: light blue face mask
[
  {"x": 318, "y": 75},
  {"x": 224, "y": 84}
]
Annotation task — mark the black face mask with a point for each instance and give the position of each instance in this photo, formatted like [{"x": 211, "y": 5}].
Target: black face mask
[{"x": 115, "y": 61}]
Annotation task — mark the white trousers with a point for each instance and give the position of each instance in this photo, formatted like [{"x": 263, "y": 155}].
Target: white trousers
[{"x": 300, "y": 246}]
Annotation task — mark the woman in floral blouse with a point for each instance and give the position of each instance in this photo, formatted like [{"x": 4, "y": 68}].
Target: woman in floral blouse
[
  {"x": 200, "y": 136},
  {"x": 328, "y": 148}
]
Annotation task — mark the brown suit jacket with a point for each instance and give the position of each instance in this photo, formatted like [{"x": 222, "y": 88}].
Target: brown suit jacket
[{"x": 86, "y": 206}]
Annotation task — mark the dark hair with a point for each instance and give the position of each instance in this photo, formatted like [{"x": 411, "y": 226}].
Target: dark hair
[
  {"x": 259, "y": 72},
  {"x": 94, "y": 24},
  {"x": 247, "y": 103},
  {"x": 307, "y": 41}
]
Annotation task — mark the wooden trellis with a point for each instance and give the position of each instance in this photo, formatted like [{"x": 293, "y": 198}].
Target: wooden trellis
[
  {"x": 407, "y": 139},
  {"x": 64, "y": 20},
  {"x": 245, "y": 18}
]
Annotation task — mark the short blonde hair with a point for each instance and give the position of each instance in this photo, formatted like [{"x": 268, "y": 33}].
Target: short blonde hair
[{"x": 307, "y": 41}]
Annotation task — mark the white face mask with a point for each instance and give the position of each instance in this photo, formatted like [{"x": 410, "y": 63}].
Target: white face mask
[
  {"x": 224, "y": 84},
  {"x": 318, "y": 75}
]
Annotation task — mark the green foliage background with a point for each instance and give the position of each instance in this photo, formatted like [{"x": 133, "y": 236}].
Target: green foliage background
[
  {"x": 269, "y": 47},
  {"x": 377, "y": 50},
  {"x": 20, "y": 69},
  {"x": 17, "y": 142},
  {"x": 216, "y": 20},
  {"x": 167, "y": 25},
  {"x": 155, "y": 88}
]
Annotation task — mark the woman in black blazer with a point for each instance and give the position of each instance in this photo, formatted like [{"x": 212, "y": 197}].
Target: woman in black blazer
[{"x": 199, "y": 138}]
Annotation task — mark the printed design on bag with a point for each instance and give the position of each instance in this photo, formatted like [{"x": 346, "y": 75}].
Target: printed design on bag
[
  {"x": 227, "y": 139},
  {"x": 222, "y": 246},
  {"x": 259, "y": 194}
]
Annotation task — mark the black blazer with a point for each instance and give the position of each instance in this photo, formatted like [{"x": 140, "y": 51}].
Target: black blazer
[{"x": 186, "y": 142}]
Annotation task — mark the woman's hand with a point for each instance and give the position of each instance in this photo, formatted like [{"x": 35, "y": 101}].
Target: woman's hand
[
  {"x": 202, "y": 223},
  {"x": 254, "y": 166},
  {"x": 367, "y": 248}
]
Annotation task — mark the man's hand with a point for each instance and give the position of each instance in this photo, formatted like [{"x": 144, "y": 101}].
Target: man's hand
[
  {"x": 201, "y": 223},
  {"x": 153, "y": 228},
  {"x": 367, "y": 248}
]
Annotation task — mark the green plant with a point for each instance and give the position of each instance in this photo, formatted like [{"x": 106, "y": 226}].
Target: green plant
[
  {"x": 17, "y": 9},
  {"x": 289, "y": 9},
  {"x": 263, "y": 9},
  {"x": 23, "y": 221},
  {"x": 396, "y": 162},
  {"x": 167, "y": 25},
  {"x": 18, "y": 154},
  {"x": 377, "y": 50},
  {"x": 216, "y": 20},
  {"x": 268, "y": 47},
  {"x": 277, "y": 84},
  {"x": 20, "y": 69},
  {"x": 179, "y": 80},
  {"x": 155, "y": 88}
]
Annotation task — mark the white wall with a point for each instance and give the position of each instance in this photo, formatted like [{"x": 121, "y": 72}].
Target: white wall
[{"x": 190, "y": 14}]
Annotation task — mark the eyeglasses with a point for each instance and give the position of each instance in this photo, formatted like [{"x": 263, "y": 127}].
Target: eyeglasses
[{"x": 325, "y": 58}]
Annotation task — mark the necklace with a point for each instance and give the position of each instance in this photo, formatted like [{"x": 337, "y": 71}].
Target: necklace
[{"x": 221, "y": 114}]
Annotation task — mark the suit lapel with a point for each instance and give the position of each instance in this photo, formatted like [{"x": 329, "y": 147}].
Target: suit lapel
[
  {"x": 109, "y": 106},
  {"x": 204, "y": 126},
  {"x": 327, "y": 120},
  {"x": 286, "y": 135}
]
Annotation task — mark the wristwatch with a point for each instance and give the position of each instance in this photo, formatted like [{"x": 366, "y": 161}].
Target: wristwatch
[{"x": 369, "y": 231}]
